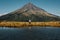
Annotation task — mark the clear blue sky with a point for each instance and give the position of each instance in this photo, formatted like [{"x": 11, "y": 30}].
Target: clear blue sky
[{"x": 51, "y": 6}]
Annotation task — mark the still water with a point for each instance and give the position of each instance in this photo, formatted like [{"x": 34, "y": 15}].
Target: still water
[{"x": 34, "y": 33}]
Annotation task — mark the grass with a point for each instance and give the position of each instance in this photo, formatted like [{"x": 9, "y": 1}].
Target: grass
[{"x": 26, "y": 24}]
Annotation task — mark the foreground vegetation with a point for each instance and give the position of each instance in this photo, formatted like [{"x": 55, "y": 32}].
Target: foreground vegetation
[{"x": 27, "y": 24}]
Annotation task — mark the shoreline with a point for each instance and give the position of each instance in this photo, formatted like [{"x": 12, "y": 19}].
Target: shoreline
[{"x": 26, "y": 24}]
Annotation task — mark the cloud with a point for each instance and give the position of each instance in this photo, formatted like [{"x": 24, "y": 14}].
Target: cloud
[{"x": 3, "y": 14}]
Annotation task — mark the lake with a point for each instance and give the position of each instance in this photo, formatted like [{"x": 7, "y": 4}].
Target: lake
[{"x": 34, "y": 33}]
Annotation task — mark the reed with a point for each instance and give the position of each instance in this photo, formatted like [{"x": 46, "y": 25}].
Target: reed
[{"x": 27, "y": 24}]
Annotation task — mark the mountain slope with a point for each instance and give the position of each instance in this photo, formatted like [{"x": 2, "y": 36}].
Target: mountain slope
[{"x": 29, "y": 12}]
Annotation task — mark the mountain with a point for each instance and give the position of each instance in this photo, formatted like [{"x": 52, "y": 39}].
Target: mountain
[{"x": 29, "y": 12}]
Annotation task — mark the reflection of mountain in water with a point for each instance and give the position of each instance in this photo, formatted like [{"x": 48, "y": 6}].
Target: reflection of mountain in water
[
  {"x": 36, "y": 33},
  {"x": 29, "y": 11}
]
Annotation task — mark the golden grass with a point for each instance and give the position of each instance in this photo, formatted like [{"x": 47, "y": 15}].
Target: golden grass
[{"x": 26, "y": 24}]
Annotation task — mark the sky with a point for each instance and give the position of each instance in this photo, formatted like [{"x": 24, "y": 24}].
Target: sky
[{"x": 51, "y": 6}]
